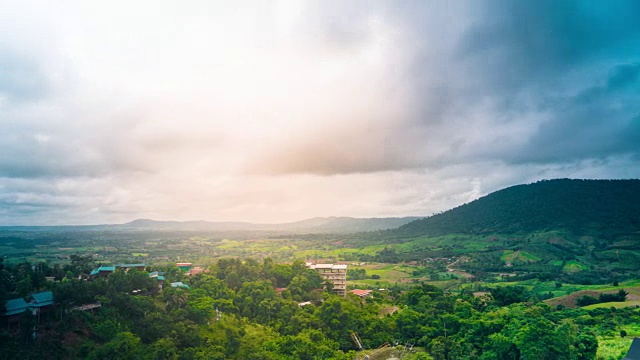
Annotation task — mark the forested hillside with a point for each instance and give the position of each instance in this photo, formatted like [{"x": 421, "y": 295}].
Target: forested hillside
[
  {"x": 583, "y": 207},
  {"x": 253, "y": 310}
]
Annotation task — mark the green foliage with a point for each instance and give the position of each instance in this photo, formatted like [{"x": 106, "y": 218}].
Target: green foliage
[
  {"x": 586, "y": 300},
  {"x": 257, "y": 322},
  {"x": 356, "y": 274},
  {"x": 507, "y": 295},
  {"x": 125, "y": 346}
]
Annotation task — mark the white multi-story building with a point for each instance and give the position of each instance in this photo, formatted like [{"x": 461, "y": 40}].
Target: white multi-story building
[{"x": 337, "y": 274}]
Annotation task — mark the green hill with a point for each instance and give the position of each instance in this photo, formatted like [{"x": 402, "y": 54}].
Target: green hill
[
  {"x": 605, "y": 208},
  {"x": 581, "y": 231}
]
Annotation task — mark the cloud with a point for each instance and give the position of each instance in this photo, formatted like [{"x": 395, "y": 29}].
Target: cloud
[
  {"x": 521, "y": 83},
  {"x": 21, "y": 79},
  {"x": 597, "y": 123},
  {"x": 291, "y": 110}
]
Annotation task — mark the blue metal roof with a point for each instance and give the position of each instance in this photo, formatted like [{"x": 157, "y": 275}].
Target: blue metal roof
[
  {"x": 179, "y": 284},
  {"x": 15, "y": 306},
  {"x": 40, "y": 299},
  {"x": 130, "y": 265}
]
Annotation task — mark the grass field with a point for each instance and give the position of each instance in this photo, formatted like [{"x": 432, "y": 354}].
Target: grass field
[
  {"x": 615, "y": 347},
  {"x": 390, "y": 273},
  {"x": 511, "y": 256},
  {"x": 574, "y": 266},
  {"x": 612, "y": 348},
  {"x": 571, "y": 292}
]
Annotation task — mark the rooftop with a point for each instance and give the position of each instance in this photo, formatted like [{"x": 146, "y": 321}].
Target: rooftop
[
  {"x": 179, "y": 284},
  {"x": 15, "y": 306},
  {"x": 361, "y": 293},
  {"x": 326, "y": 266},
  {"x": 130, "y": 265},
  {"x": 41, "y": 299}
]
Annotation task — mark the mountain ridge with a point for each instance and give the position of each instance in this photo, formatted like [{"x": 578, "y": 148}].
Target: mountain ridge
[
  {"x": 339, "y": 224},
  {"x": 580, "y": 206},
  {"x": 333, "y": 224}
]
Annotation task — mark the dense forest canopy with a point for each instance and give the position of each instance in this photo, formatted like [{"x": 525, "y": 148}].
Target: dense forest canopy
[{"x": 235, "y": 312}]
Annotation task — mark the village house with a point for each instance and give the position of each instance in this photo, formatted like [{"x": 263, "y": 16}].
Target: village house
[
  {"x": 103, "y": 271},
  {"x": 361, "y": 293}
]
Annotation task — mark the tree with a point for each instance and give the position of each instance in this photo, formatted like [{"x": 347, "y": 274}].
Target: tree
[
  {"x": 506, "y": 295},
  {"x": 252, "y": 343},
  {"x": 125, "y": 346},
  {"x": 164, "y": 349},
  {"x": 310, "y": 344}
]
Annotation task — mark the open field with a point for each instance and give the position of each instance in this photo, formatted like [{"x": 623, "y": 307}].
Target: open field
[
  {"x": 573, "y": 266},
  {"x": 614, "y": 346},
  {"x": 575, "y": 291},
  {"x": 511, "y": 256}
]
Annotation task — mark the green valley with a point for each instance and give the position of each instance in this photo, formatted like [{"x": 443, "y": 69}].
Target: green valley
[{"x": 475, "y": 282}]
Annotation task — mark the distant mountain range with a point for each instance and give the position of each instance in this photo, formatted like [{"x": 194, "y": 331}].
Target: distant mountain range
[
  {"x": 313, "y": 225},
  {"x": 593, "y": 207},
  {"x": 308, "y": 226},
  {"x": 582, "y": 207}
]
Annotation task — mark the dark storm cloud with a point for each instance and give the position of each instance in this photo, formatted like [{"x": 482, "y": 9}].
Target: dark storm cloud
[
  {"x": 532, "y": 48},
  {"x": 597, "y": 123},
  {"x": 522, "y": 43},
  {"x": 573, "y": 64},
  {"x": 510, "y": 81}
]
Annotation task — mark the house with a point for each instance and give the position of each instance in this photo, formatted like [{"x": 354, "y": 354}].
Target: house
[
  {"x": 12, "y": 309},
  {"x": 336, "y": 274},
  {"x": 634, "y": 350},
  {"x": 179, "y": 284},
  {"x": 41, "y": 299},
  {"x": 158, "y": 276},
  {"x": 196, "y": 270},
  {"x": 41, "y": 303},
  {"x": 184, "y": 266},
  {"x": 14, "y": 306},
  {"x": 128, "y": 267},
  {"x": 103, "y": 271},
  {"x": 361, "y": 293}
]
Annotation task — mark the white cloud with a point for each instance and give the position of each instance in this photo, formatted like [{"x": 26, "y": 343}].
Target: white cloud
[{"x": 281, "y": 110}]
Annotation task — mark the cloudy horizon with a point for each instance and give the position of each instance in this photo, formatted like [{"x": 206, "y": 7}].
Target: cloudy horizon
[{"x": 277, "y": 111}]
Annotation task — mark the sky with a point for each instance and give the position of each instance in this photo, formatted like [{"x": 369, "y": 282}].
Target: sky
[{"x": 277, "y": 111}]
